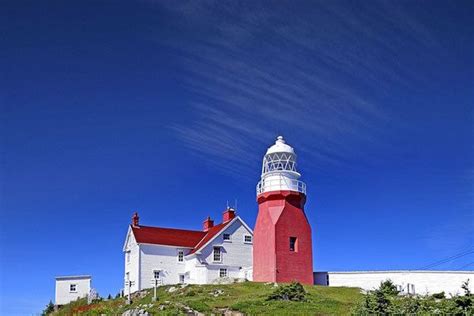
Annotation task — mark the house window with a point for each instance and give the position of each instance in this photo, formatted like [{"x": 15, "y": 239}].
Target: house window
[
  {"x": 222, "y": 273},
  {"x": 293, "y": 244},
  {"x": 180, "y": 256},
  {"x": 247, "y": 239},
  {"x": 217, "y": 254},
  {"x": 226, "y": 236},
  {"x": 181, "y": 278},
  {"x": 72, "y": 288},
  {"x": 156, "y": 274}
]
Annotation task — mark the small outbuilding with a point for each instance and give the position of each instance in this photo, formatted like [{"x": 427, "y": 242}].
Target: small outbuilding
[{"x": 70, "y": 288}]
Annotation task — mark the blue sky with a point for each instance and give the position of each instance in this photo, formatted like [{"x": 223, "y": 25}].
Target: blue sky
[{"x": 167, "y": 108}]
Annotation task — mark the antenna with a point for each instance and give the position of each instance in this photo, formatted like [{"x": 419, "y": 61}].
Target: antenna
[
  {"x": 235, "y": 205},
  {"x": 227, "y": 204}
]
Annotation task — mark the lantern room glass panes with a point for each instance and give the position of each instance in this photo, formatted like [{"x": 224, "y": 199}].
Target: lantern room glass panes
[{"x": 279, "y": 161}]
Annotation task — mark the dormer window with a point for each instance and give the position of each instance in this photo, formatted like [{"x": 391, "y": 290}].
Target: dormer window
[
  {"x": 217, "y": 256},
  {"x": 226, "y": 237},
  {"x": 247, "y": 239}
]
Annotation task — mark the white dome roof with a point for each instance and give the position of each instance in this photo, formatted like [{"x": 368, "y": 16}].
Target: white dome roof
[{"x": 280, "y": 147}]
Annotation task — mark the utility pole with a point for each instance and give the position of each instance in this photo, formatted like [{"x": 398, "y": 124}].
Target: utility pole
[{"x": 154, "y": 290}]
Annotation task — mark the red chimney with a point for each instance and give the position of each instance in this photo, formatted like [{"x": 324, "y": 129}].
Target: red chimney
[
  {"x": 228, "y": 214},
  {"x": 135, "y": 219},
  {"x": 208, "y": 223}
]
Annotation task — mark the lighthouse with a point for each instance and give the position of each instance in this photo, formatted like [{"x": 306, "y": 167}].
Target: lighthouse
[{"x": 282, "y": 247}]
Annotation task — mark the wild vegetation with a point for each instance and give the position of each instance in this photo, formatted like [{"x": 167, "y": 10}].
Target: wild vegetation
[
  {"x": 276, "y": 299},
  {"x": 386, "y": 300},
  {"x": 247, "y": 297}
]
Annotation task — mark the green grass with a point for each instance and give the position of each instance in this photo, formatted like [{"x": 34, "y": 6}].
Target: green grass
[{"x": 247, "y": 297}]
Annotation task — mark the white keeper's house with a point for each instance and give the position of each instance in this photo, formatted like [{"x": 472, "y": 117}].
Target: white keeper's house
[{"x": 157, "y": 255}]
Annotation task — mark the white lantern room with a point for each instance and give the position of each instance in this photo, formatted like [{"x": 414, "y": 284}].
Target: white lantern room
[{"x": 279, "y": 171}]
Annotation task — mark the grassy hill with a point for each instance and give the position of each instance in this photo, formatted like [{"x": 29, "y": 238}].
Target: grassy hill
[{"x": 247, "y": 298}]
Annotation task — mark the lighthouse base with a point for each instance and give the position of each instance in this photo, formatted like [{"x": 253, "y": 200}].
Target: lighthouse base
[{"x": 282, "y": 247}]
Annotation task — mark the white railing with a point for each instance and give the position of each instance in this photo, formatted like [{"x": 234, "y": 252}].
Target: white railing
[{"x": 281, "y": 183}]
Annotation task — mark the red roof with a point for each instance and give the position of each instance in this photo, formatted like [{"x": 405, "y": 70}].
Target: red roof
[
  {"x": 175, "y": 237},
  {"x": 209, "y": 235},
  {"x": 167, "y": 236}
]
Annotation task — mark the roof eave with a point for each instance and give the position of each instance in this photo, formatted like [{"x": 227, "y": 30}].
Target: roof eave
[
  {"x": 172, "y": 246},
  {"x": 198, "y": 251},
  {"x": 126, "y": 239}
]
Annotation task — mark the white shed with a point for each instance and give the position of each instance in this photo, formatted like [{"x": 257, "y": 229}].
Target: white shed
[{"x": 70, "y": 288}]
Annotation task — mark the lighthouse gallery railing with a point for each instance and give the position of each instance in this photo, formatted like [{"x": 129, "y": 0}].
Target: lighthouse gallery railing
[{"x": 282, "y": 183}]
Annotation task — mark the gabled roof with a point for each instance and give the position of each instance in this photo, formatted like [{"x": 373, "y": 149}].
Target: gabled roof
[
  {"x": 211, "y": 233},
  {"x": 167, "y": 236},
  {"x": 194, "y": 239}
]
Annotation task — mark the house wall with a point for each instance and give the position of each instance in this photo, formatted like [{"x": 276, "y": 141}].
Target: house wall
[
  {"x": 236, "y": 254},
  {"x": 132, "y": 266},
  {"x": 196, "y": 272},
  {"x": 63, "y": 294},
  {"x": 163, "y": 258},
  {"x": 424, "y": 282}
]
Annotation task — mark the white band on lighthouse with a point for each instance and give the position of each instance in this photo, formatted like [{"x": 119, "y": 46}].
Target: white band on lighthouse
[{"x": 279, "y": 170}]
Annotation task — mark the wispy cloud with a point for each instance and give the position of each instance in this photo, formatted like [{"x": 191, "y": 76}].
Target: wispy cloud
[{"x": 257, "y": 70}]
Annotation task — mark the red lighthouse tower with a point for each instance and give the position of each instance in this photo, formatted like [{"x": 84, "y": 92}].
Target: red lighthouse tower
[{"x": 282, "y": 250}]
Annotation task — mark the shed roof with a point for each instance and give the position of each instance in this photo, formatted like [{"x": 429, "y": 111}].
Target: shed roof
[{"x": 73, "y": 277}]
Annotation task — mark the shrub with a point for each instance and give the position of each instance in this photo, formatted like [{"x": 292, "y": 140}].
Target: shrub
[
  {"x": 388, "y": 288},
  {"x": 466, "y": 302},
  {"x": 49, "y": 308},
  {"x": 386, "y": 301},
  {"x": 291, "y": 292}
]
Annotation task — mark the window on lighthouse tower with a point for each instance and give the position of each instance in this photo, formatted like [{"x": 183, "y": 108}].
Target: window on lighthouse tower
[{"x": 293, "y": 244}]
